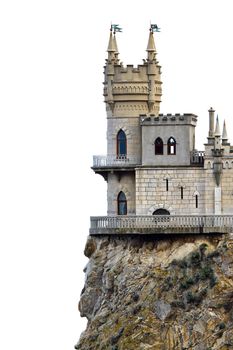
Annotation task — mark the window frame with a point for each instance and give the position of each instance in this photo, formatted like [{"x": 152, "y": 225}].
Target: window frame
[
  {"x": 119, "y": 142},
  {"x": 159, "y": 147},
  {"x": 121, "y": 201},
  {"x": 170, "y": 146}
]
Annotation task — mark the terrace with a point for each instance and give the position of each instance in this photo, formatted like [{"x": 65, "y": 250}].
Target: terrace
[{"x": 161, "y": 224}]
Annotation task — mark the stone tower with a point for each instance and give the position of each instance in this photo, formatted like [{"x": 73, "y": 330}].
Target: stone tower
[{"x": 129, "y": 92}]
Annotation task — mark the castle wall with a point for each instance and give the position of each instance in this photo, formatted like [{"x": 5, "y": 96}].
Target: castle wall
[
  {"x": 126, "y": 183},
  {"x": 227, "y": 191},
  {"x": 180, "y": 133},
  {"x": 152, "y": 194},
  {"x": 131, "y": 128}
]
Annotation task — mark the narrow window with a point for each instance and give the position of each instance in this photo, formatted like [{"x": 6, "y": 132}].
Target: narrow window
[
  {"x": 121, "y": 144},
  {"x": 171, "y": 146},
  {"x": 196, "y": 200},
  {"x": 158, "y": 146},
  {"x": 166, "y": 184},
  {"x": 181, "y": 192},
  {"x": 121, "y": 204}
]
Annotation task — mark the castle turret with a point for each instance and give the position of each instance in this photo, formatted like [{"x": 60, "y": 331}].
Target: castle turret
[
  {"x": 217, "y": 136},
  {"x": 153, "y": 72},
  {"x": 111, "y": 48},
  {"x": 211, "y": 126},
  {"x": 224, "y": 133},
  {"x": 151, "y": 47}
]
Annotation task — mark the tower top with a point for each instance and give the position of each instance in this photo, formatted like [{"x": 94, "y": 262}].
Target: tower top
[
  {"x": 112, "y": 44},
  {"x": 224, "y": 132},
  {"x": 151, "y": 49},
  {"x": 217, "y": 128},
  {"x": 151, "y": 43}
]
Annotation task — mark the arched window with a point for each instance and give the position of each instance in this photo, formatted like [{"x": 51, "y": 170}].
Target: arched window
[
  {"x": 121, "y": 144},
  {"x": 121, "y": 204},
  {"x": 161, "y": 212},
  {"x": 158, "y": 146},
  {"x": 171, "y": 146}
]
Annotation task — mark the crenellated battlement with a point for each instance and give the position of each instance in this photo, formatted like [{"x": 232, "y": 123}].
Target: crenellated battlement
[
  {"x": 140, "y": 84},
  {"x": 169, "y": 119}
]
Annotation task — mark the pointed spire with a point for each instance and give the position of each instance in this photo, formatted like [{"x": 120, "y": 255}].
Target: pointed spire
[
  {"x": 217, "y": 128},
  {"x": 111, "y": 45},
  {"x": 116, "y": 48},
  {"x": 115, "y": 43},
  {"x": 151, "y": 50},
  {"x": 224, "y": 132},
  {"x": 151, "y": 43}
]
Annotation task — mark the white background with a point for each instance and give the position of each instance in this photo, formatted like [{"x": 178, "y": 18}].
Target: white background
[{"x": 52, "y": 119}]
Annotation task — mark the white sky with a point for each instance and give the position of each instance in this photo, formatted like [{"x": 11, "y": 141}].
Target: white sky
[{"x": 52, "y": 120}]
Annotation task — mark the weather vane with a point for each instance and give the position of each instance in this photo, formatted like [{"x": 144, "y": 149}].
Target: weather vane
[
  {"x": 115, "y": 28},
  {"x": 154, "y": 28}
]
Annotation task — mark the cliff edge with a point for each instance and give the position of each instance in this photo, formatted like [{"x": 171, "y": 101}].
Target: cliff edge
[{"x": 162, "y": 293}]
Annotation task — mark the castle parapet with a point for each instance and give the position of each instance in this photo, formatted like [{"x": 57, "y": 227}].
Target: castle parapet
[{"x": 169, "y": 119}]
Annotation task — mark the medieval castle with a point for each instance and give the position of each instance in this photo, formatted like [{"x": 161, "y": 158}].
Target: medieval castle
[{"x": 152, "y": 166}]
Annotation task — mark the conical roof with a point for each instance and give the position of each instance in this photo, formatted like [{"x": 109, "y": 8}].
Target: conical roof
[
  {"x": 111, "y": 44},
  {"x": 115, "y": 43},
  {"x": 217, "y": 128},
  {"x": 224, "y": 132},
  {"x": 151, "y": 43}
]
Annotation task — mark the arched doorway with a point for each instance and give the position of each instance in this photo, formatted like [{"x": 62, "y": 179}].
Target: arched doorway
[{"x": 161, "y": 212}]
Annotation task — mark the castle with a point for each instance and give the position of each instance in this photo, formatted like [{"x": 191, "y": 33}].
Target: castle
[{"x": 152, "y": 167}]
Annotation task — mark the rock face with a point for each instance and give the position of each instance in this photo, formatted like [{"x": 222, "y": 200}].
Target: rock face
[{"x": 153, "y": 293}]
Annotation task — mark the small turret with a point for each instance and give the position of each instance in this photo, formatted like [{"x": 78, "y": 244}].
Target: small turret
[
  {"x": 116, "y": 49},
  {"x": 151, "y": 50},
  {"x": 217, "y": 136},
  {"x": 217, "y": 128},
  {"x": 224, "y": 133},
  {"x": 153, "y": 71},
  {"x": 111, "y": 48},
  {"x": 211, "y": 126}
]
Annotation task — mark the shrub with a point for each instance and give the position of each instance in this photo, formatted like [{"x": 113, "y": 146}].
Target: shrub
[
  {"x": 213, "y": 254},
  {"x": 195, "y": 258},
  {"x": 206, "y": 272}
]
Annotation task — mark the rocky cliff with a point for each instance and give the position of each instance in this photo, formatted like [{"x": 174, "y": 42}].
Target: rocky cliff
[{"x": 158, "y": 293}]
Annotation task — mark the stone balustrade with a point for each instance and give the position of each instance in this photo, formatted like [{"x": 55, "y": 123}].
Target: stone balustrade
[
  {"x": 165, "y": 224},
  {"x": 115, "y": 161}
]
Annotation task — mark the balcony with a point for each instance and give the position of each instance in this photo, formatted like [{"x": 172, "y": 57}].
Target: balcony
[
  {"x": 115, "y": 161},
  {"x": 197, "y": 158},
  {"x": 161, "y": 225}
]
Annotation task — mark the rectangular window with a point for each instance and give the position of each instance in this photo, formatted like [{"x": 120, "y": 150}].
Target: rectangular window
[{"x": 166, "y": 184}]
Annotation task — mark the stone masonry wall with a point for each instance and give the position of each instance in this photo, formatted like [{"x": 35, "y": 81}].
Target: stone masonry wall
[
  {"x": 125, "y": 183},
  {"x": 132, "y": 130},
  {"x": 151, "y": 191}
]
